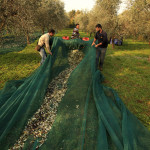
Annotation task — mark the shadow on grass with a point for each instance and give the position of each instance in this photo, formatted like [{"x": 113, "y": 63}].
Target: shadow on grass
[
  {"x": 18, "y": 58},
  {"x": 13, "y": 43},
  {"x": 13, "y": 49},
  {"x": 130, "y": 46}
]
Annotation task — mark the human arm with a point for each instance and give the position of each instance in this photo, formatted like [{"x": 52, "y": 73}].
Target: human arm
[
  {"x": 48, "y": 45},
  {"x": 98, "y": 45},
  {"x": 94, "y": 41}
]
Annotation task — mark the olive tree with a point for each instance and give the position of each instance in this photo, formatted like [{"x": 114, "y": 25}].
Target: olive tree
[
  {"x": 8, "y": 10},
  {"x": 105, "y": 13},
  {"x": 26, "y": 16},
  {"x": 51, "y": 14},
  {"x": 140, "y": 15},
  {"x": 82, "y": 19}
]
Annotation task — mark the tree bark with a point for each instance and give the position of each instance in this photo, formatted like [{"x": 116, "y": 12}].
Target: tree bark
[
  {"x": 28, "y": 38},
  {"x": 42, "y": 30},
  {"x": 90, "y": 34},
  {"x": 113, "y": 45},
  {"x": 149, "y": 59},
  {"x": 2, "y": 26}
]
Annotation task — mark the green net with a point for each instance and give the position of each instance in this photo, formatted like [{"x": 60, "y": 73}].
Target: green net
[{"x": 90, "y": 116}]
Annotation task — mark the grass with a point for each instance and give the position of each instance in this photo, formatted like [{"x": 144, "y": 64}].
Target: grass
[
  {"x": 18, "y": 65},
  {"x": 126, "y": 69}
]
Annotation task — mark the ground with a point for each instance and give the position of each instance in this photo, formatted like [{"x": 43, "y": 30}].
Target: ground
[{"x": 126, "y": 69}]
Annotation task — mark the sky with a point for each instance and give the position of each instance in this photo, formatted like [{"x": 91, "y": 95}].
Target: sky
[{"x": 85, "y": 5}]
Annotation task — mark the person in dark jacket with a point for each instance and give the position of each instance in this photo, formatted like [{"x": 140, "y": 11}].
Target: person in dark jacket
[{"x": 101, "y": 47}]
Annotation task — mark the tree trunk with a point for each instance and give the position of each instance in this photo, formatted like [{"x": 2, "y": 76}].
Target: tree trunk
[
  {"x": 42, "y": 30},
  {"x": 149, "y": 59},
  {"x": 90, "y": 34},
  {"x": 2, "y": 26},
  {"x": 113, "y": 45},
  {"x": 28, "y": 39}
]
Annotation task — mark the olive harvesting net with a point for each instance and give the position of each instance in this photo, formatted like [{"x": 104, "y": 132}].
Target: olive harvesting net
[{"x": 63, "y": 105}]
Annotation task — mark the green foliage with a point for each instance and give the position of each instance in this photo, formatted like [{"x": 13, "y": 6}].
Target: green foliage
[
  {"x": 26, "y": 16},
  {"x": 83, "y": 19},
  {"x": 135, "y": 21},
  {"x": 104, "y": 12},
  {"x": 51, "y": 14},
  {"x": 72, "y": 15}
]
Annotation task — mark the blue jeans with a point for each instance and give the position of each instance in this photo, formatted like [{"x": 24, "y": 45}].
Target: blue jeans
[
  {"x": 43, "y": 55},
  {"x": 100, "y": 54}
]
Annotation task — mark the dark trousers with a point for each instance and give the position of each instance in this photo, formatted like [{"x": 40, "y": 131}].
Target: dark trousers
[{"x": 100, "y": 54}]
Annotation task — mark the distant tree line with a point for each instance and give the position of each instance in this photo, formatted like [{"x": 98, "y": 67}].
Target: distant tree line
[
  {"x": 26, "y": 16},
  {"x": 134, "y": 22}
]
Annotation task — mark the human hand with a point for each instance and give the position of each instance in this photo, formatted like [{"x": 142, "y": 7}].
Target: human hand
[
  {"x": 96, "y": 46},
  {"x": 93, "y": 43},
  {"x": 50, "y": 53}
]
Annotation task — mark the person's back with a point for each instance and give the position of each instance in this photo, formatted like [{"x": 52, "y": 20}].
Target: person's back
[
  {"x": 44, "y": 41},
  {"x": 115, "y": 41}
]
